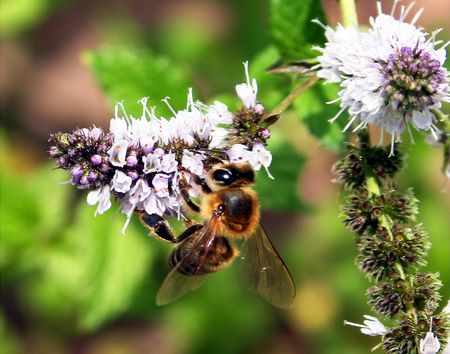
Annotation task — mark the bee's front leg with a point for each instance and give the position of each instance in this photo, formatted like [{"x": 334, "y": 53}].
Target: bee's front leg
[
  {"x": 184, "y": 191},
  {"x": 161, "y": 228}
]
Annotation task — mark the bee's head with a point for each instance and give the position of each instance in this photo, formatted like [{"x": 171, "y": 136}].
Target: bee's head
[{"x": 230, "y": 174}]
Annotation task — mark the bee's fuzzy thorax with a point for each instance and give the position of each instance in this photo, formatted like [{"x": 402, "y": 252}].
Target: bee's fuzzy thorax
[{"x": 242, "y": 214}]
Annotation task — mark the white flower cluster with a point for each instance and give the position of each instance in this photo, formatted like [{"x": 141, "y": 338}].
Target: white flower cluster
[
  {"x": 150, "y": 154},
  {"x": 391, "y": 76}
]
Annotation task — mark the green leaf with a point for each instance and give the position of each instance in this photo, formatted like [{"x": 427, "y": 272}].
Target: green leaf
[
  {"x": 93, "y": 273},
  {"x": 129, "y": 74},
  {"x": 313, "y": 111},
  {"x": 281, "y": 194},
  {"x": 291, "y": 28},
  {"x": 115, "y": 265},
  {"x": 19, "y": 15},
  {"x": 30, "y": 210}
]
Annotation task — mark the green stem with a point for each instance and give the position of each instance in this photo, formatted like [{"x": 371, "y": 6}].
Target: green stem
[
  {"x": 374, "y": 188},
  {"x": 348, "y": 13},
  {"x": 293, "y": 96}
]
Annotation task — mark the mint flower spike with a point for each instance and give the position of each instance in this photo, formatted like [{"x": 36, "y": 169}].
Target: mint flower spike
[
  {"x": 141, "y": 160},
  {"x": 391, "y": 76}
]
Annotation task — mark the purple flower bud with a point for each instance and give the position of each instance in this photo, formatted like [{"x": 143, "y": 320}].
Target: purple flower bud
[
  {"x": 62, "y": 162},
  {"x": 72, "y": 139},
  {"x": 96, "y": 160},
  {"x": 406, "y": 51},
  {"x": 92, "y": 176},
  {"x": 95, "y": 133},
  {"x": 104, "y": 168},
  {"x": 84, "y": 181},
  {"x": 435, "y": 64},
  {"x": 54, "y": 151},
  {"x": 132, "y": 161},
  {"x": 102, "y": 148},
  {"x": 77, "y": 172},
  {"x": 72, "y": 152},
  {"x": 439, "y": 78},
  {"x": 147, "y": 149},
  {"x": 133, "y": 174},
  {"x": 434, "y": 85},
  {"x": 265, "y": 133},
  {"x": 425, "y": 56}
]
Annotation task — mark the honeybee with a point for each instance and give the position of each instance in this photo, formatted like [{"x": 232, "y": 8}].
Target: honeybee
[{"x": 230, "y": 210}]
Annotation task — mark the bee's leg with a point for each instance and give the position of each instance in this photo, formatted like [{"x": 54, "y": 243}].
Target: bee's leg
[
  {"x": 186, "y": 197},
  {"x": 161, "y": 228},
  {"x": 202, "y": 183}
]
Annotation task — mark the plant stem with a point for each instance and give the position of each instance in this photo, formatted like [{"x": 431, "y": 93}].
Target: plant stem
[
  {"x": 348, "y": 13},
  {"x": 293, "y": 96}
]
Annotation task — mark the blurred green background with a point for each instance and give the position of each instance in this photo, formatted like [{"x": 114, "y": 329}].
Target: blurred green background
[{"x": 71, "y": 283}]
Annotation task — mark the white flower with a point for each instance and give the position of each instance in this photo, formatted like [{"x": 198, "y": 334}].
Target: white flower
[
  {"x": 238, "y": 153},
  {"x": 247, "y": 92},
  {"x": 152, "y": 162},
  {"x": 391, "y": 76},
  {"x": 139, "y": 192},
  {"x": 118, "y": 153},
  {"x": 161, "y": 184},
  {"x": 260, "y": 156},
  {"x": 257, "y": 157},
  {"x": 121, "y": 182},
  {"x": 95, "y": 133},
  {"x": 152, "y": 204},
  {"x": 340, "y": 52},
  {"x": 102, "y": 196},
  {"x": 192, "y": 162},
  {"x": 372, "y": 326},
  {"x": 133, "y": 199},
  {"x": 218, "y": 113},
  {"x": 169, "y": 163},
  {"x": 430, "y": 344},
  {"x": 118, "y": 126}
]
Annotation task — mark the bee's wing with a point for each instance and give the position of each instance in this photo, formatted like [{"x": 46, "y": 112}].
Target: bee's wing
[
  {"x": 264, "y": 272},
  {"x": 177, "y": 284}
]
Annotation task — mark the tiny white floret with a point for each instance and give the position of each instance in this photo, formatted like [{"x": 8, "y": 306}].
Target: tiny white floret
[{"x": 372, "y": 326}]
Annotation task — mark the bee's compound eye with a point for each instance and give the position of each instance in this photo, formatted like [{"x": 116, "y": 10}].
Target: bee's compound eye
[{"x": 222, "y": 176}]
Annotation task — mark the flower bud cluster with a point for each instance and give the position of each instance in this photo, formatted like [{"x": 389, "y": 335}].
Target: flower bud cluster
[
  {"x": 391, "y": 246},
  {"x": 351, "y": 169},
  {"x": 379, "y": 254},
  {"x": 402, "y": 339},
  {"x": 141, "y": 161},
  {"x": 85, "y": 153},
  {"x": 412, "y": 78},
  {"x": 389, "y": 299},
  {"x": 364, "y": 211}
]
